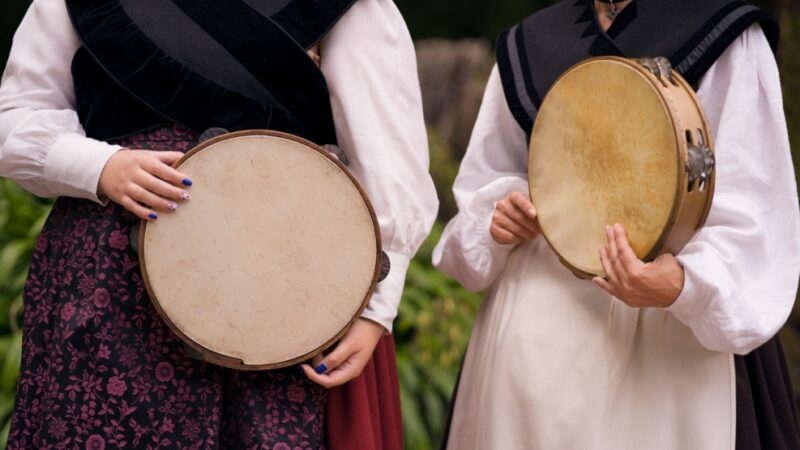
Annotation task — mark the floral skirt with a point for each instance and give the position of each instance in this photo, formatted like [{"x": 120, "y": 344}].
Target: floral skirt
[{"x": 100, "y": 369}]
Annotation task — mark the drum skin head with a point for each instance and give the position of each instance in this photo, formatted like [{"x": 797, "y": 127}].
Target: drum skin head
[
  {"x": 273, "y": 257},
  {"x": 602, "y": 152}
]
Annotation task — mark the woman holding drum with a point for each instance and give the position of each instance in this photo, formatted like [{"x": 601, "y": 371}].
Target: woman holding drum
[
  {"x": 673, "y": 345},
  {"x": 99, "y": 99}
]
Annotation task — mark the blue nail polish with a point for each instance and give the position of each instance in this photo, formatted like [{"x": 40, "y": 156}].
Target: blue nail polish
[
  {"x": 322, "y": 368},
  {"x": 186, "y": 182},
  {"x": 153, "y": 216}
]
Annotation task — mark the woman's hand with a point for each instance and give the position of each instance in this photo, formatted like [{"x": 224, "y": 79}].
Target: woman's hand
[
  {"x": 349, "y": 357},
  {"x": 514, "y": 220},
  {"x": 143, "y": 182},
  {"x": 641, "y": 285}
]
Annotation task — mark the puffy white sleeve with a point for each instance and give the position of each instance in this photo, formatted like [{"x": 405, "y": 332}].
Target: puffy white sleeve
[
  {"x": 42, "y": 143},
  {"x": 369, "y": 62},
  {"x": 742, "y": 267},
  {"x": 495, "y": 165}
]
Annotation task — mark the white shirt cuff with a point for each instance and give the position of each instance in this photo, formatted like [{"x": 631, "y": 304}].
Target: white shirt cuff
[
  {"x": 74, "y": 164},
  {"x": 382, "y": 308},
  {"x": 685, "y": 308},
  {"x": 693, "y": 299}
]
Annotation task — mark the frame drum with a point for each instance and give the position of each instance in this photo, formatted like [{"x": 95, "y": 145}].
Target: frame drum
[
  {"x": 620, "y": 141},
  {"x": 273, "y": 258}
]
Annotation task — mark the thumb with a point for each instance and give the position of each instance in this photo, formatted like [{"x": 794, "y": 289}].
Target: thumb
[
  {"x": 332, "y": 360},
  {"x": 666, "y": 261},
  {"x": 664, "y": 258}
]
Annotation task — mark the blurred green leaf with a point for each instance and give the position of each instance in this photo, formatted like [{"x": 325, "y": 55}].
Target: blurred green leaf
[
  {"x": 428, "y": 350},
  {"x": 4, "y": 434},
  {"x": 10, "y": 370},
  {"x": 12, "y": 255}
]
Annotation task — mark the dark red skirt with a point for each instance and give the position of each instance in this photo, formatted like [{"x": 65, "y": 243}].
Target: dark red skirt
[{"x": 365, "y": 413}]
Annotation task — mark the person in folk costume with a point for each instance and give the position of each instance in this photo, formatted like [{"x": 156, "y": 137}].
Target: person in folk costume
[
  {"x": 98, "y": 99},
  {"x": 680, "y": 353}
]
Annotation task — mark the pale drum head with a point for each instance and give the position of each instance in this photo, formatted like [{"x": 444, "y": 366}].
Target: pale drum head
[
  {"x": 271, "y": 260},
  {"x": 603, "y": 151}
]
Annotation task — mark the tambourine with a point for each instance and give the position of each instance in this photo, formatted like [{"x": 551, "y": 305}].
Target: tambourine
[
  {"x": 273, "y": 258},
  {"x": 620, "y": 141}
]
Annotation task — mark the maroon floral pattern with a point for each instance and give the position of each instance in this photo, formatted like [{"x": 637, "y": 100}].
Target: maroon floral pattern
[{"x": 101, "y": 370}]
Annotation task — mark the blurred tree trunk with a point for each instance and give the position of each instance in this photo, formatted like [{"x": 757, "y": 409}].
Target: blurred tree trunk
[{"x": 452, "y": 76}]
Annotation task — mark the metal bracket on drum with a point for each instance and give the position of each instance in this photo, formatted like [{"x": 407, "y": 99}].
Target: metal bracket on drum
[
  {"x": 211, "y": 133},
  {"x": 386, "y": 266},
  {"x": 700, "y": 162},
  {"x": 660, "y": 67}
]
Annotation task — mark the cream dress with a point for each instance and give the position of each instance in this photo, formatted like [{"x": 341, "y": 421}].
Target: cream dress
[{"x": 555, "y": 363}]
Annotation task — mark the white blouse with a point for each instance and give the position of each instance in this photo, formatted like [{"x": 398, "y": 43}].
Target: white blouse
[
  {"x": 369, "y": 62},
  {"x": 741, "y": 269}
]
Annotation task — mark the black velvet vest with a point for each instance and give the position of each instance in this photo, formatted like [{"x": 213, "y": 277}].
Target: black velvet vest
[
  {"x": 233, "y": 64},
  {"x": 692, "y": 34}
]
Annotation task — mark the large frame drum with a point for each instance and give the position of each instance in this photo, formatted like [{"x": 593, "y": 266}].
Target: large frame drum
[
  {"x": 620, "y": 141},
  {"x": 273, "y": 258}
]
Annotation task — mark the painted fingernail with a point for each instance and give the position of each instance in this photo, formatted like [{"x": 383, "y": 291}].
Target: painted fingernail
[
  {"x": 172, "y": 206},
  {"x": 185, "y": 195},
  {"x": 152, "y": 216},
  {"x": 322, "y": 368},
  {"x": 186, "y": 182}
]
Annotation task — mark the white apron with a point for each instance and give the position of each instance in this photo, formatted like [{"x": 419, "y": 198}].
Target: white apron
[{"x": 555, "y": 363}]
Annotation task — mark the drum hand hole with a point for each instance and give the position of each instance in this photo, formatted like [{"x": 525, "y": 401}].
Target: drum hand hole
[{"x": 700, "y": 140}]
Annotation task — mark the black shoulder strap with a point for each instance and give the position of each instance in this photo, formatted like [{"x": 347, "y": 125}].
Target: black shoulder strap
[{"x": 691, "y": 33}]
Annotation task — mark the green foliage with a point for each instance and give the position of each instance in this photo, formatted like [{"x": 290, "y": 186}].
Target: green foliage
[
  {"x": 433, "y": 324},
  {"x": 21, "y": 219},
  {"x": 431, "y": 332}
]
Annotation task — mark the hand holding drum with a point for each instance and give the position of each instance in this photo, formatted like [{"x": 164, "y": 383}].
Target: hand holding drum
[
  {"x": 143, "y": 182},
  {"x": 655, "y": 284}
]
